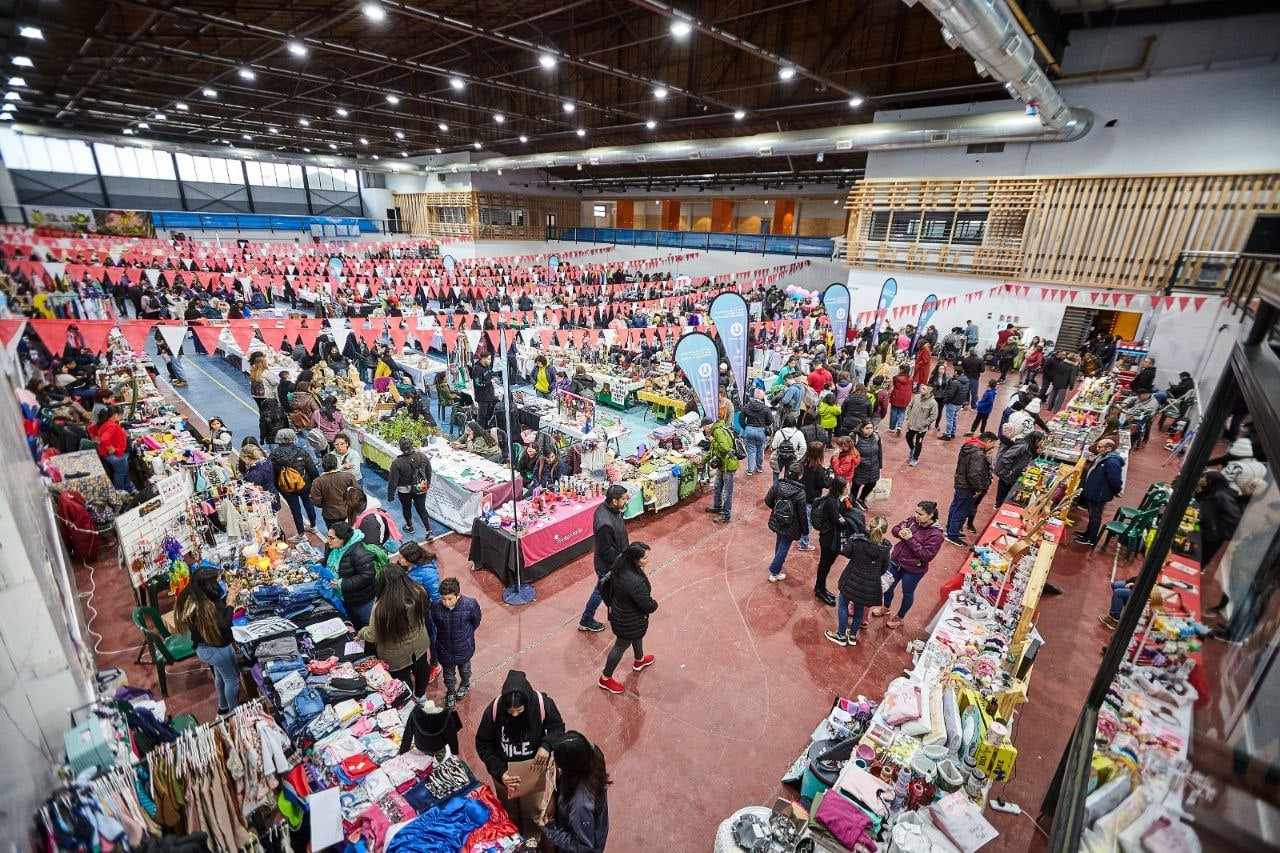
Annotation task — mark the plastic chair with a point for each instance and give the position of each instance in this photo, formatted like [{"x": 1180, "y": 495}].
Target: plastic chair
[
  {"x": 166, "y": 648},
  {"x": 1156, "y": 497},
  {"x": 1131, "y": 533}
]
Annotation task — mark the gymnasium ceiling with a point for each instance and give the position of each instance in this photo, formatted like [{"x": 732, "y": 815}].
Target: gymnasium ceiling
[{"x": 382, "y": 78}]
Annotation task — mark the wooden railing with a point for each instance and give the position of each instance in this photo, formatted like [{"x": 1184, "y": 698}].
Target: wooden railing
[{"x": 1124, "y": 232}]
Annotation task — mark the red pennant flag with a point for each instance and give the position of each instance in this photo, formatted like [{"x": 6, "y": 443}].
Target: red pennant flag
[
  {"x": 510, "y": 335},
  {"x": 578, "y": 336},
  {"x": 368, "y": 331},
  {"x": 450, "y": 339},
  {"x": 1093, "y": 297},
  {"x": 208, "y": 336},
  {"x": 136, "y": 333},
  {"x": 53, "y": 334},
  {"x": 545, "y": 336},
  {"x": 1183, "y": 301},
  {"x": 242, "y": 333},
  {"x": 1128, "y": 299},
  {"x": 308, "y": 334},
  {"x": 398, "y": 334},
  {"x": 493, "y": 339},
  {"x": 10, "y": 328},
  {"x": 273, "y": 332},
  {"x": 1156, "y": 301},
  {"x": 95, "y": 334},
  {"x": 1199, "y": 301}
]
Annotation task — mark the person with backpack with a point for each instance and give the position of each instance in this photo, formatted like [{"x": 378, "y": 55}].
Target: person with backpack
[
  {"x": 833, "y": 520},
  {"x": 723, "y": 458},
  {"x": 334, "y": 492},
  {"x": 791, "y": 399},
  {"x": 398, "y": 628},
  {"x": 919, "y": 540},
  {"x": 353, "y": 563},
  {"x": 514, "y": 740},
  {"x": 295, "y": 472},
  {"x": 757, "y": 417},
  {"x": 870, "y": 461},
  {"x": 454, "y": 620},
  {"x": 786, "y": 502},
  {"x": 610, "y": 537},
  {"x": 955, "y": 396},
  {"x": 409, "y": 480},
  {"x": 627, "y": 593},
  {"x": 787, "y": 446},
  {"x": 859, "y": 583},
  {"x": 1012, "y": 460}
]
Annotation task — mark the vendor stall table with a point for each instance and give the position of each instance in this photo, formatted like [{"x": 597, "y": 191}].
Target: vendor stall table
[
  {"x": 545, "y": 544},
  {"x": 664, "y": 407}
]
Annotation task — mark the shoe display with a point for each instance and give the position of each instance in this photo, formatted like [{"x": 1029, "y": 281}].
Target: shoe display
[
  {"x": 838, "y": 639},
  {"x": 612, "y": 685},
  {"x": 640, "y": 664},
  {"x": 593, "y": 626}
]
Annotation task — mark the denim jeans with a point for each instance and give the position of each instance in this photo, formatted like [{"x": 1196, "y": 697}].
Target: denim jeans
[
  {"x": 962, "y": 504},
  {"x": 909, "y": 580},
  {"x": 973, "y": 390},
  {"x": 226, "y": 674},
  {"x": 593, "y": 604},
  {"x": 808, "y": 524},
  {"x": 1120, "y": 594},
  {"x": 950, "y": 411},
  {"x": 297, "y": 504},
  {"x": 753, "y": 437},
  {"x": 453, "y": 672},
  {"x": 780, "y": 553},
  {"x": 722, "y": 497},
  {"x": 1095, "y": 520},
  {"x": 843, "y": 627},
  {"x": 118, "y": 468},
  {"x": 895, "y": 416}
]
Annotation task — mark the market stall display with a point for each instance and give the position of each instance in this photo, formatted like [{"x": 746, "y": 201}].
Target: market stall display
[
  {"x": 550, "y": 529},
  {"x": 464, "y": 485}
]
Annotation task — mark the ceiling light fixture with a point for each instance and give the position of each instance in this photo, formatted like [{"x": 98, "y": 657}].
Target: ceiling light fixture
[
  {"x": 246, "y": 137},
  {"x": 143, "y": 125},
  {"x": 31, "y": 33},
  {"x": 297, "y": 48},
  {"x": 128, "y": 131},
  {"x": 209, "y": 93},
  {"x": 739, "y": 115},
  {"x": 23, "y": 62},
  {"x": 857, "y": 101},
  {"x": 342, "y": 112},
  {"x": 523, "y": 139},
  {"x": 582, "y": 131},
  {"x": 547, "y": 61},
  {"x": 499, "y": 118},
  {"x": 307, "y": 150},
  {"x": 246, "y": 73},
  {"x": 681, "y": 29},
  {"x": 568, "y": 106},
  {"x": 393, "y": 99},
  {"x": 17, "y": 81},
  {"x": 304, "y": 122},
  {"x": 660, "y": 92},
  {"x": 444, "y": 128},
  {"x": 8, "y": 108},
  {"x": 376, "y": 157},
  {"x": 364, "y": 141},
  {"x": 373, "y": 12},
  {"x": 159, "y": 116},
  {"x": 650, "y": 124},
  {"x": 475, "y": 145},
  {"x": 12, "y": 96},
  {"x": 181, "y": 106},
  {"x": 439, "y": 150},
  {"x": 399, "y": 134},
  {"x": 404, "y": 154},
  {"x": 457, "y": 84},
  {"x": 273, "y": 130},
  {"x": 786, "y": 72},
  {"x": 333, "y": 146}
]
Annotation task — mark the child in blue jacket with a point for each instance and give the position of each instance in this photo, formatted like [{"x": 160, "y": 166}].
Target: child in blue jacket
[
  {"x": 455, "y": 618},
  {"x": 985, "y": 404}
]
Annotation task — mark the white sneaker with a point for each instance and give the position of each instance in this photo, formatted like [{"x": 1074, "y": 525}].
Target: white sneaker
[{"x": 780, "y": 576}]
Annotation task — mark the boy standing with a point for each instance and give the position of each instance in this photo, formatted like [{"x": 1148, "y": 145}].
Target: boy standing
[{"x": 456, "y": 618}]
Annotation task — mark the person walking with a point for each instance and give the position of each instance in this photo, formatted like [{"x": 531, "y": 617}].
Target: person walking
[
  {"x": 398, "y": 628},
  {"x": 204, "y": 611},
  {"x": 972, "y": 478},
  {"x": 814, "y": 478},
  {"x": 580, "y": 820},
  {"x": 845, "y": 460},
  {"x": 900, "y": 398},
  {"x": 955, "y": 395},
  {"x": 335, "y": 492},
  {"x": 725, "y": 462},
  {"x": 786, "y": 502},
  {"x": 409, "y": 480},
  {"x": 923, "y": 365},
  {"x": 870, "y": 461},
  {"x": 456, "y": 618},
  {"x": 1012, "y": 460},
  {"x": 757, "y": 417},
  {"x": 829, "y": 520},
  {"x": 352, "y": 563},
  {"x": 295, "y": 472},
  {"x": 787, "y": 446},
  {"x": 919, "y": 540},
  {"x": 859, "y": 584},
  {"x": 1102, "y": 482},
  {"x": 628, "y": 594},
  {"x": 610, "y": 532},
  {"x": 920, "y": 415},
  {"x": 983, "y": 410},
  {"x": 972, "y": 367}
]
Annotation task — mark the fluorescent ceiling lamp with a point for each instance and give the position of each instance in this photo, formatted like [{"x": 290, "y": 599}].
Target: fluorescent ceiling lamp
[
  {"x": 547, "y": 61},
  {"x": 393, "y": 99},
  {"x": 523, "y": 138},
  {"x": 660, "y": 92},
  {"x": 404, "y": 154},
  {"x": 373, "y": 12},
  {"x": 307, "y": 150},
  {"x": 341, "y": 111},
  {"x": 6, "y": 116},
  {"x": 143, "y": 125},
  {"x": 364, "y": 141},
  {"x": 246, "y": 136},
  {"x": 23, "y": 62},
  {"x": 31, "y": 33},
  {"x": 475, "y": 145},
  {"x": 568, "y": 106},
  {"x": 650, "y": 124},
  {"x": 581, "y": 131},
  {"x": 399, "y": 134},
  {"x": 333, "y": 145},
  {"x": 304, "y": 122},
  {"x": 8, "y": 108},
  {"x": 444, "y": 128},
  {"x": 857, "y": 101},
  {"x": 681, "y": 29},
  {"x": 209, "y": 93},
  {"x": 246, "y": 73},
  {"x": 739, "y": 115},
  {"x": 297, "y": 48},
  {"x": 181, "y": 106},
  {"x": 457, "y": 84},
  {"x": 17, "y": 81},
  {"x": 376, "y": 157},
  {"x": 499, "y": 118},
  {"x": 439, "y": 150},
  {"x": 159, "y": 116},
  {"x": 274, "y": 130},
  {"x": 786, "y": 72}
]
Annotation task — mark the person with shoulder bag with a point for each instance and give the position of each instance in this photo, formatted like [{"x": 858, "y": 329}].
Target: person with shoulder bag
[
  {"x": 860, "y": 583},
  {"x": 409, "y": 480},
  {"x": 786, "y": 501},
  {"x": 626, "y": 590}
]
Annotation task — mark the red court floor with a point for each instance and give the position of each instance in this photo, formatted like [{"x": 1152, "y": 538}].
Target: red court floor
[{"x": 743, "y": 672}]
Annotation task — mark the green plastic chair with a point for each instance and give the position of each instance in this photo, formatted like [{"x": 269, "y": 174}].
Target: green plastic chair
[
  {"x": 1131, "y": 533},
  {"x": 1156, "y": 497},
  {"x": 166, "y": 648}
]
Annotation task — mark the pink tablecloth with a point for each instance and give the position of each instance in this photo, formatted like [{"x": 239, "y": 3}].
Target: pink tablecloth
[{"x": 568, "y": 526}]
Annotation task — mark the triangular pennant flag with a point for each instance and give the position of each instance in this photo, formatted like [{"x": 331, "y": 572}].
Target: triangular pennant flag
[
  {"x": 1183, "y": 301},
  {"x": 136, "y": 333},
  {"x": 340, "y": 336},
  {"x": 1156, "y": 301},
  {"x": 578, "y": 336},
  {"x": 272, "y": 332},
  {"x": 208, "y": 336},
  {"x": 545, "y": 336},
  {"x": 450, "y": 339},
  {"x": 173, "y": 337},
  {"x": 563, "y": 337},
  {"x": 493, "y": 339},
  {"x": 1199, "y": 301},
  {"x": 308, "y": 334},
  {"x": 399, "y": 334},
  {"x": 53, "y": 334},
  {"x": 242, "y": 334},
  {"x": 11, "y": 330},
  {"x": 510, "y": 335},
  {"x": 95, "y": 333}
]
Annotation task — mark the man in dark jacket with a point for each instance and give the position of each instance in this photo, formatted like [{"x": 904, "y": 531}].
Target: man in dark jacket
[
  {"x": 511, "y": 742},
  {"x": 610, "y": 541},
  {"x": 1102, "y": 482},
  {"x": 409, "y": 479},
  {"x": 287, "y": 454},
  {"x": 455, "y": 618},
  {"x": 1146, "y": 378},
  {"x": 786, "y": 501},
  {"x": 482, "y": 379},
  {"x": 956, "y": 393},
  {"x": 973, "y": 367},
  {"x": 973, "y": 476}
]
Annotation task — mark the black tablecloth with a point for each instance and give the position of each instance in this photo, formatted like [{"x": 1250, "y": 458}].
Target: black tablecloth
[{"x": 497, "y": 550}]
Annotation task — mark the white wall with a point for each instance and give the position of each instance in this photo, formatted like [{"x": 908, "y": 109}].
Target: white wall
[
  {"x": 1180, "y": 118},
  {"x": 376, "y": 201}
]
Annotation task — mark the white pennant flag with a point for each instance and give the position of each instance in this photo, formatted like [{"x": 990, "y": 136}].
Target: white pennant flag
[
  {"x": 173, "y": 337},
  {"x": 336, "y": 323},
  {"x": 340, "y": 335}
]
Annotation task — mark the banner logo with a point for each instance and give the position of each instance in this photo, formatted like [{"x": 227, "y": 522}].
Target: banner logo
[
  {"x": 835, "y": 299},
  {"x": 696, "y": 356}
]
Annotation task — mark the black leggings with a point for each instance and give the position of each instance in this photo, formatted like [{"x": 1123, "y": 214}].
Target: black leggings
[
  {"x": 859, "y": 491},
  {"x": 980, "y": 423},
  {"x": 826, "y": 559},
  {"x": 915, "y": 441},
  {"x": 615, "y": 653},
  {"x": 410, "y": 501},
  {"x": 416, "y": 675}
]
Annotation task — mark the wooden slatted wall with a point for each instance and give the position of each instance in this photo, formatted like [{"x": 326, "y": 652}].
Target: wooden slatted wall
[
  {"x": 421, "y": 214},
  {"x": 1121, "y": 232}
]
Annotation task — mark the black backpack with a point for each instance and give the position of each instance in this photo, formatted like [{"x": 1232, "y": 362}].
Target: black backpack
[
  {"x": 782, "y": 518},
  {"x": 785, "y": 454}
]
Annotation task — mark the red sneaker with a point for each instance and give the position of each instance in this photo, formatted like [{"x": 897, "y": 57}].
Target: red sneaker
[
  {"x": 435, "y": 673},
  {"x": 642, "y": 663},
  {"x": 612, "y": 685}
]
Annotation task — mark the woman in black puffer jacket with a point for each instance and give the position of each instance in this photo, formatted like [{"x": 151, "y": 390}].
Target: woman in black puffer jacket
[
  {"x": 860, "y": 581},
  {"x": 629, "y": 596},
  {"x": 871, "y": 454}
]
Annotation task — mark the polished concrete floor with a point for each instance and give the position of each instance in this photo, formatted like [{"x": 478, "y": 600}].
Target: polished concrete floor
[{"x": 743, "y": 672}]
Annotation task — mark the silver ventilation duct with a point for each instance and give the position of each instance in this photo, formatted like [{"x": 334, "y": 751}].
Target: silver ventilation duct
[
  {"x": 1001, "y": 50},
  {"x": 877, "y": 136}
]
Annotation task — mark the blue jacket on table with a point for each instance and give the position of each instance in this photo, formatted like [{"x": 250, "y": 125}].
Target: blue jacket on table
[
  {"x": 1105, "y": 479},
  {"x": 456, "y": 630}
]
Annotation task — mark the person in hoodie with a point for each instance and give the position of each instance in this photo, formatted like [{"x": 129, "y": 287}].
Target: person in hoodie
[
  {"x": 580, "y": 822},
  {"x": 257, "y": 469},
  {"x": 919, "y": 540},
  {"x": 986, "y": 403},
  {"x": 972, "y": 479},
  {"x": 514, "y": 740}
]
